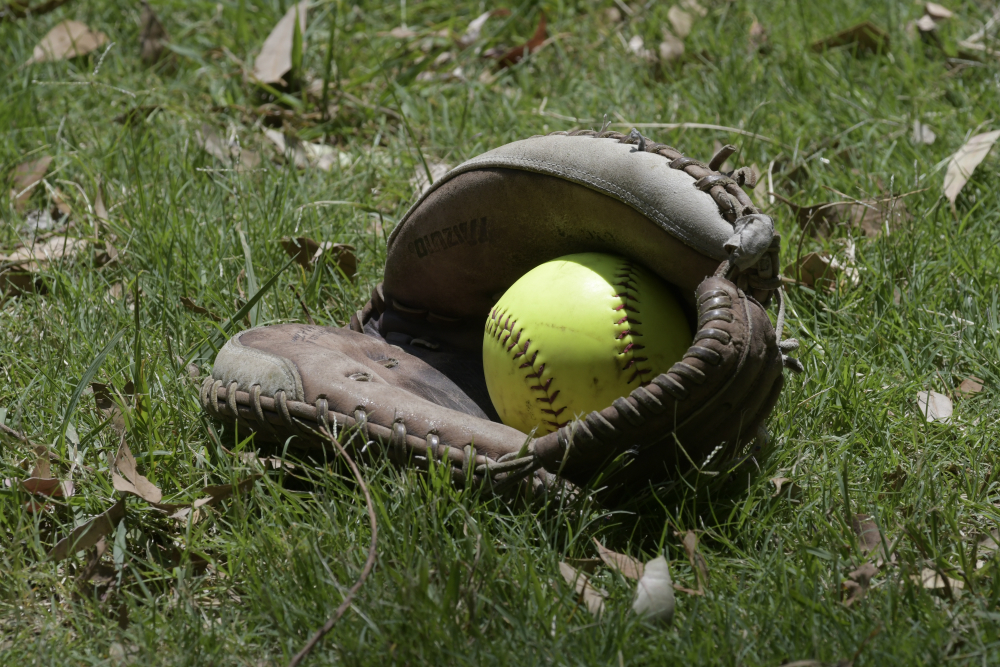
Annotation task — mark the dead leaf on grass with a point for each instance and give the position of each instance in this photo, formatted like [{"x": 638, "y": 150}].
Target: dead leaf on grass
[
  {"x": 671, "y": 48},
  {"x": 19, "y": 269},
  {"x": 926, "y": 24},
  {"x": 935, "y": 407},
  {"x": 757, "y": 36},
  {"x": 654, "y": 593},
  {"x": 858, "y": 582},
  {"x": 865, "y": 36},
  {"x": 867, "y": 532},
  {"x": 938, "y": 12},
  {"x": 629, "y": 567},
  {"x": 26, "y": 176},
  {"x": 303, "y": 153},
  {"x": 872, "y": 217},
  {"x": 216, "y": 494},
  {"x": 922, "y": 134},
  {"x": 275, "y": 59},
  {"x": 189, "y": 304},
  {"x": 420, "y": 183},
  {"x": 475, "y": 28},
  {"x": 592, "y": 597},
  {"x": 588, "y": 565},
  {"x": 969, "y": 387},
  {"x": 130, "y": 481},
  {"x": 87, "y": 535},
  {"x": 681, "y": 21},
  {"x": 964, "y": 162},
  {"x": 152, "y": 35},
  {"x": 69, "y": 39},
  {"x": 698, "y": 563},
  {"x": 307, "y": 252},
  {"x": 933, "y": 580},
  {"x": 817, "y": 270},
  {"x": 516, "y": 54},
  {"x": 785, "y": 485}
]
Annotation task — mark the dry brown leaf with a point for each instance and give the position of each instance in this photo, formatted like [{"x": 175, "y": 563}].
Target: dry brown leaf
[
  {"x": 933, "y": 580},
  {"x": 475, "y": 28},
  {"x": 969, "y": 387},
  {"x": 867, "y": 532},
  {"x": 690, "y": 541},
  {"x": 306, "y": 252},
  {"x": 935, "y": 407},
  {"x": 87, "y": 535},
  {"x": 964, "y": 162},
  {"x": 922, "y": 134},
  {"x": 26, "y": 176},
  {"x": 872, "y": 217},
  {"x": 814, "y": 270},
  {"x": 152, "y": 35},
  {"x": 133, "y": 482},
  {"x": 937, "y": 12},
  {"x": 19, "y": 268},
  {"x": 858, "y": 582},
  {"x": 592, "y": 597},
  {"x": 275, "y": 59},
  {"x": 303, "y": 153},
  {"x": 189, "y": 304},
  {"x": 680, "y": 20},
  {"x": 216, "y": 494},
  {"x": 419, "y": 181},
  {"x": 671, "y": 48},
  {"x": 865, "y": 36},
  {"x": 629, "y": 567},
  {"x": 69, "y": 39},
  {"x": 514, "y": 55},
  {"x": 588, "y": 565}
]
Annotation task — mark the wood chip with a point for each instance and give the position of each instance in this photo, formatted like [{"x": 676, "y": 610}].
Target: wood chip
[{"x": 69, "y": 39}]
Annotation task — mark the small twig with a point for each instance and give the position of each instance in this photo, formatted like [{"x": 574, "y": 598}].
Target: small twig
[
  {"x": 7, "y": 430},
  {"x": 369, "y": 563}
]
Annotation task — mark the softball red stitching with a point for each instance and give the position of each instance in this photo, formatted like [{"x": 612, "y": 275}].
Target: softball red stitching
[
  {"x": 503, "y": 326},
  {"x": 626, "y": 278}
]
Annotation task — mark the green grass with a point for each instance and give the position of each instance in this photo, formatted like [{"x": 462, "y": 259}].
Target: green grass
[{"x": 461, "y": 579}]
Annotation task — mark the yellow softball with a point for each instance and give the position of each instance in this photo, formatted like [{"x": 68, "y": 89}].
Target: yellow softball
[{"x": 573, "y": 334}]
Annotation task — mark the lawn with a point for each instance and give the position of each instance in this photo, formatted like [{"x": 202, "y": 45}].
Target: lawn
[{"x": 459, "y": 578}]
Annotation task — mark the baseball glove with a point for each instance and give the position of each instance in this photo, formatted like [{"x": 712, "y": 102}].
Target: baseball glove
[{"x": 405, "y": 378}]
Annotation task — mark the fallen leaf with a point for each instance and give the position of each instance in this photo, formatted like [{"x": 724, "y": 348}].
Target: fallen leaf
[
  {"x": 926, "y": 24},
  {"x": 592, "y": 597},
  {"x": 865, "y": 36},
  {"x": 778, "y": 483},
  {"x": 694, "y": 7},
  {"x": 514, "y": 55},
  {"x": 41, "y": 482},
  {"x": 275, "y": 59},
  {"x": 858, "y": 582},
  {"x": 87, "y": 535},
  {"x": 307, "y": 251},
  {"x": 870, "y": 216},
  {"x": 304, "y": 154},
  {"x": 867, "y": 532},
  {"x": 821, "y": 271},
  {"x": 152, "y": 35},
  {"x": 26, "y": 176},
  {"x": 19, "y": 268},
  {"x": 133, "y": 482},
  {"x": 698, "y": 564},
  {"x": 216, "y": 494},
  {"x": 932, "y": 580},
  {"x": 969, "y": 387},
  {"x": 189, "y": 304},
  {"x": 680, "y": 20},
  {"x": 475, "y": 28},
  {"x": 922, "y": 134},
  {"x": 935, "y": 407},
  {"x": 937, "y": 12},
  {"x": 69, "y": 39},
  {"x": 629, "y": 567},
  {"x": 402, "y": 32},
  {"x": 654, "y": 594},
  {"x": 419, "y": 181},
  {"x": 964, "y": 162},
  {"x": 671, "y": 48},
  {"x": 588, "y": 565}
]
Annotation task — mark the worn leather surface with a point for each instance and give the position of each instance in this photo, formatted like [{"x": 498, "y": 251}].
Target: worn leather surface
[
  {"x": 483, "y": 226},
  {"x": 353, "y": 371}
]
